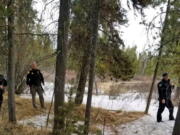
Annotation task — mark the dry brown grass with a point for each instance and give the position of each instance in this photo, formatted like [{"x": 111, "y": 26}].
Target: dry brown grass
[
  {"x": 106, "y": 118},
  {"x": 12, "y": 129},
  {"x": 116, "y": 88},
  {"x": 99, "y": 116},
  {"x": 24, "y": 108}
]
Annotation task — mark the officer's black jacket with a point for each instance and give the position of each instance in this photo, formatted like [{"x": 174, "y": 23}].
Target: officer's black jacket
[
  {"x": 35, "y": 77},
  {"x": 4, "y": 83},
  {"x": 164, "y": 89}
]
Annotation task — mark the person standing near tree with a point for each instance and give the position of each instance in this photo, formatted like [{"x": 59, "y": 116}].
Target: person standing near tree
[
  {"x": 34, "y": 80},
  {"x": 165, "y": 90},
  {"x": 3, "y": 85}
]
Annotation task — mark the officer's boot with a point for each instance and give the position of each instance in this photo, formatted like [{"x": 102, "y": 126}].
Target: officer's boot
[
  {"x": 34, "y": 100},
  {"x": 171, "y": 117},
  {"x": 159, "y": 118}
]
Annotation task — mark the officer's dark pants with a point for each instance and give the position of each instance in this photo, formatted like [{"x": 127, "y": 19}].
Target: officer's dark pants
[
  {"x": 1, "y": 97},
  {"x": 1, "y": 101},
  {"x": 162, "y": 106},
  {"x": 39, "y": 90}
]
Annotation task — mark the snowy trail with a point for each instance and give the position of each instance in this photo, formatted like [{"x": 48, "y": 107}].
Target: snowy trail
[{"x": 147, "y": 125}]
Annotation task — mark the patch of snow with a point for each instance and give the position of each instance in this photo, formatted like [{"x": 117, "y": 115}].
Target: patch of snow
[
  {"x": 38, "y": 121},
  {"x": 146, "y": 126}
]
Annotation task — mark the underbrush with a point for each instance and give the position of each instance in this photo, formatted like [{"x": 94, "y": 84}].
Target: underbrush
[{"x": 125, "y": 87}]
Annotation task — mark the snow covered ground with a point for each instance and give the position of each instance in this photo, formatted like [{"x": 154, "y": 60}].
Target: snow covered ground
[
  {"x": 38, "y": 121},
  {"x": 127, "y": 102},
  {"x": 144, "y": 126}
]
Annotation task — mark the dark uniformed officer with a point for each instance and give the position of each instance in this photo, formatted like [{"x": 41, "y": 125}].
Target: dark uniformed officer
[
  {"x": 165, "y": 90},
  {"x": 34, "y": 80},
  {"x": 3, "y": 84}
]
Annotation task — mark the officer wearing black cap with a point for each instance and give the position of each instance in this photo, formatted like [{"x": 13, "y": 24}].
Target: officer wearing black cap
[{"x": 165, "y": 90}]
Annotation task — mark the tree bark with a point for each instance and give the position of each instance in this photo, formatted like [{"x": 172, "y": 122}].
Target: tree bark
[
  {"x": 158, "y": 59},
  {"x": 177, "y": 93},
  {"x": 94, "y": 21},
  {"x": 144, "y": 65},
  {"x": 83, "y": 76},
  {"x": 11, "y": 62},
  {"x": 62, "y": 39},
  {"x": 176, "y": 130}
]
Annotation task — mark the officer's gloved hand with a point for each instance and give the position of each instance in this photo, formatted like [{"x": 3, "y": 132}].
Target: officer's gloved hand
[
  {"x": 1, "y": 86},
  {"x": 1, "y": 89},
  {"x": 163, "y": 101}
]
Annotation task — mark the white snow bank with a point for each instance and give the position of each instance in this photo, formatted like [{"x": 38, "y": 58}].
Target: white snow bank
[{"x": 127, "y": 102}]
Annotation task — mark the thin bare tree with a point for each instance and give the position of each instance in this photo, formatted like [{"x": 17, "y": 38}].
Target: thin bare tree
[{"x": 158, "y": 58}]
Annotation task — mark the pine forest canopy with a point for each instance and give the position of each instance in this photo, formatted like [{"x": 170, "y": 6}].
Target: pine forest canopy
[{"x": 111, "y": 13}]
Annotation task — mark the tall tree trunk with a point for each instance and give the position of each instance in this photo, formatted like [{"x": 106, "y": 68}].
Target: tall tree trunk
[
  {"x": 144, "y": 65},
  {"x": 62, "y": 39},
  {"x": 83, "y": 76},
  {"x": 177, "y": 93},
  {"x": 94, "y": 21},
  {"x": 176, "y": 130},
  {"x": 11, "y": 61},
  {"x": 158, "y": 59}
]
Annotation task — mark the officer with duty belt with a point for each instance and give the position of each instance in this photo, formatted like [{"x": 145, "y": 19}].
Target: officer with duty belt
[{"x": 34, "y": 81}]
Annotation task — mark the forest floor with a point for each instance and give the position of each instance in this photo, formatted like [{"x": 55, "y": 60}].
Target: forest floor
[
  {"x": 115, "y": 115},
  {"x": 32, "y": 121},
  {"x": 24, "y": 110},
  {"x": 126, "y": 102}
]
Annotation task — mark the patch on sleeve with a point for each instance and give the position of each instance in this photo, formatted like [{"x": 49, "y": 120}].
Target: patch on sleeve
[{"x": 160, "y": 85}]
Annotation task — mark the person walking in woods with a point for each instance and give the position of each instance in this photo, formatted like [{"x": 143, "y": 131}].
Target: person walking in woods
[
  {"x": 34, "y": 80},
  {"x": 165, "y": 90},
  {"x": 3, "y": 85}
]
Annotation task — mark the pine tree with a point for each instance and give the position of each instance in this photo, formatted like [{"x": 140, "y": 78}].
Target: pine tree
[
  {"x": 94, "y": 23},
  {"x": 11, "y": 61},
  {"x": 62, "y": 39}
]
